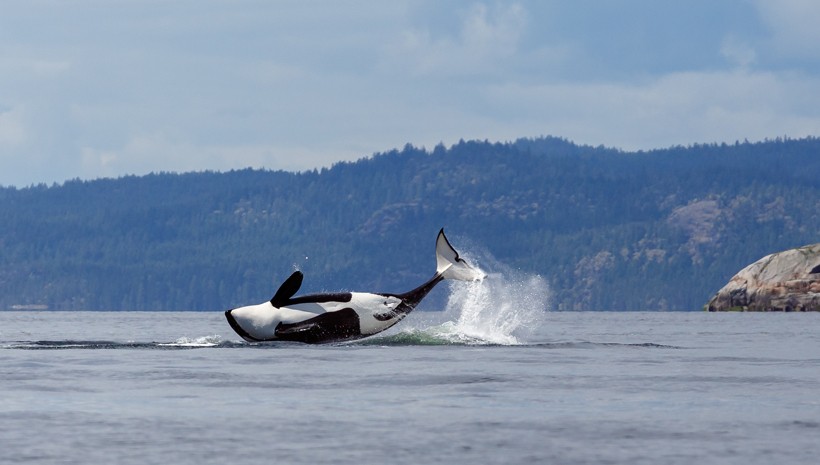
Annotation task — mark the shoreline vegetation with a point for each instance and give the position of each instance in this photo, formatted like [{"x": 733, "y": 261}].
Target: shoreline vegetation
[{"x": 607, "y": 229}]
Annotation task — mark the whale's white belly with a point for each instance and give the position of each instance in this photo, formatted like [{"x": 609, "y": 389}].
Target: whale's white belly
[{"x": 260, "y": 321}]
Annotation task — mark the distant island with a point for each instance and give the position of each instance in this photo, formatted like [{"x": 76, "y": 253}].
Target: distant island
[{"x": 609, "y": 229}]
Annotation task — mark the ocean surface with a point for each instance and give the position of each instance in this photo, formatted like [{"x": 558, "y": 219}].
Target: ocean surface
[{"x": 485, "y": 381}]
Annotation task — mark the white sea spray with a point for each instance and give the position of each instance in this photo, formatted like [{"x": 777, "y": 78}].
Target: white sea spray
[{"x": 504, "y": 308}]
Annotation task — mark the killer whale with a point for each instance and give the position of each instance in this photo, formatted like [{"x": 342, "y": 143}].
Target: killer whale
[{"x": 344, "y": 316}]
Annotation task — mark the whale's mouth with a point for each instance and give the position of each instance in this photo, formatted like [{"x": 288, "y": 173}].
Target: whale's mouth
[{"x": 235, "y": 326}]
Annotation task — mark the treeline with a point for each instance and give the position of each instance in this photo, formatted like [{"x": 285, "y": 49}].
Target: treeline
[{"x": 610, "y": 230}]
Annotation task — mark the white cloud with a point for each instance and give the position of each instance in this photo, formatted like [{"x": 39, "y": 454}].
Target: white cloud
[
  {"x": 487, "y": 37},
  {"x": 90, "y": 89},
  {"x": 738, "y": 53},
  {"x": 12, "y": 131},
  {"x": 498, "y": 33},
  {"x": 157, "y": 152},
  {"x": 678, "y": 108},
  {"x": 795, "y": 26}
]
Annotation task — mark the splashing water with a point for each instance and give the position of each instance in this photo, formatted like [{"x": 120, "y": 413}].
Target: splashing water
[
  {"x": 504, "y": 308},
  {"x": 501, "y": 309},
  {"x": 204, "y": 341}
]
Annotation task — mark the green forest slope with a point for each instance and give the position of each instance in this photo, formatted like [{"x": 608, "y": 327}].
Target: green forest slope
[{"x": 609, "y": 230}]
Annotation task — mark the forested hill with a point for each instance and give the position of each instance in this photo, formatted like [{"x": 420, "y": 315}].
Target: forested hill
[{"x": 610, "y": 230}]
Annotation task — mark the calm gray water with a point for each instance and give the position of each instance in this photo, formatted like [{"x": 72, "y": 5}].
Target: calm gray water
[{"x": 559, "y": 388}]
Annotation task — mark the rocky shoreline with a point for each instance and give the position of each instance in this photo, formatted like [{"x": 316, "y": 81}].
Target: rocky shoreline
[{"x": 787, "y": 281}]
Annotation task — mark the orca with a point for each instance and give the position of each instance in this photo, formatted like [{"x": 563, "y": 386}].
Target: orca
[{"x": 345, "y": 316}]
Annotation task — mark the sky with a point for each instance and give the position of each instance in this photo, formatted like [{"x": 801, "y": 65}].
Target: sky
[{"x": 106, "y": 88}]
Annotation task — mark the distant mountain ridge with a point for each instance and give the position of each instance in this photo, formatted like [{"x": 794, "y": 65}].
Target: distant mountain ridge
[{"x": 610, "y": 230}]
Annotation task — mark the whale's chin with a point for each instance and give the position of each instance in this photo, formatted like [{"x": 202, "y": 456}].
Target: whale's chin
[{"x": 236, "y": 327}]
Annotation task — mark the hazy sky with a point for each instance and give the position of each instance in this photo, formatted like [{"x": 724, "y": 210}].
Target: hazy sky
[{"x": 100, "y": 88}]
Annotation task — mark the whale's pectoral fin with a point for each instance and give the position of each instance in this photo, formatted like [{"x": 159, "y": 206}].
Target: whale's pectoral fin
[
  {"x": 331, "y": 326},
  {"x": 287, "y": 289}
]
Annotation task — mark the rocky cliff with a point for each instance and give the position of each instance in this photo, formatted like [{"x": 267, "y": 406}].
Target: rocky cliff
[{"x": 785, "y": 281}]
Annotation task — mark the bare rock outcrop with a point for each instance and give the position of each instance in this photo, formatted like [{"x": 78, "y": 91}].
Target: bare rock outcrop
[{"x": 787, "y": 281}]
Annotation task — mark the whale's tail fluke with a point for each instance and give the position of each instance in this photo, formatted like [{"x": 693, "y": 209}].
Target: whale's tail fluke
[{"x": 450, "y": 266}]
